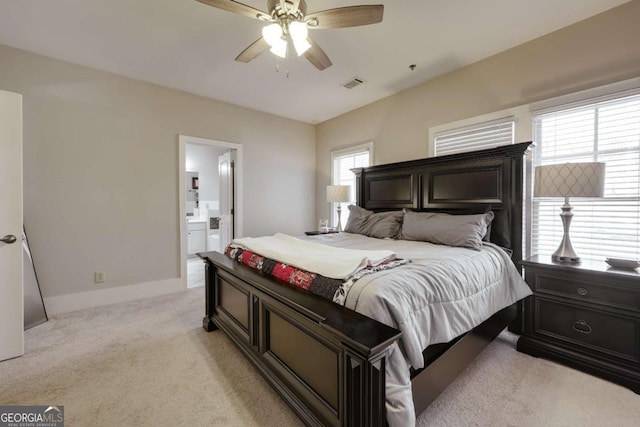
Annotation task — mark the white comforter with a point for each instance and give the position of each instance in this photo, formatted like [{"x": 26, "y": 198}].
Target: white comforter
[
  {"x": 332, "y": 262},
  {"x": 443, "y": 293}
]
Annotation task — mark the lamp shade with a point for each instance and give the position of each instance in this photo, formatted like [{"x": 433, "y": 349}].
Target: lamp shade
[
  {"x": 272, "y": 34},
  {"x": 298, "y": 32},
  {"x": 570, "y": 180},
  {"x": 279, "y": 48},
  {"x": 338, "y": 193}
]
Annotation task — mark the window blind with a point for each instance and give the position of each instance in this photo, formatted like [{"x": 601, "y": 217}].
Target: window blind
[
  {"x": 476, "y": 137},
  {"x": 607, "y": 131}
]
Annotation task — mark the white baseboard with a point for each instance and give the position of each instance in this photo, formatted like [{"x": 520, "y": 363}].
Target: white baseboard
[{"x": 72, "y": 302}]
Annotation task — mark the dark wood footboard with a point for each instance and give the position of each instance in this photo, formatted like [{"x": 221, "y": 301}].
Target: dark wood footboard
[{"x": 326, "y": 361}]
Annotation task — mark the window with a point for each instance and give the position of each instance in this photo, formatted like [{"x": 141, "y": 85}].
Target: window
[
  {"x": 606, "y": 130},
  {"x": 479, "y": 136},
  {"x": 342, "y": 161}
]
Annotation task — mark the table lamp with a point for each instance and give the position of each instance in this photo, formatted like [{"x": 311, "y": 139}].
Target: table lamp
[
  {"x": 569, "y": 180},
  {"x": 338, "y": 194}
]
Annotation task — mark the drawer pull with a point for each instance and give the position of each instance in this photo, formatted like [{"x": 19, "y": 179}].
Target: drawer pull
[
  {"x": 582, "y": 292},
  {"x": 582, "y": 327}
]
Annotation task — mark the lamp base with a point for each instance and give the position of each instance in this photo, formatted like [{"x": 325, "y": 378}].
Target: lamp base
[
  {"x": 565, "y": 253},
  {"x": 565, "y": 259}
]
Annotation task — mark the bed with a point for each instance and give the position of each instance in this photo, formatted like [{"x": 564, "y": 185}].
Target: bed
[{"x": 329, "y": 362}]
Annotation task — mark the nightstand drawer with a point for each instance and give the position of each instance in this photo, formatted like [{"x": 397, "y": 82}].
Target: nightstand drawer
[
  {"x": 606, "y": 332},
  {"x": 564, "y": 285}
]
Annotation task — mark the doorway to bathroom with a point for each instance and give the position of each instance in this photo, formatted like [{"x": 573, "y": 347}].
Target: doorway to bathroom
[{"x": 210, "y": 195}]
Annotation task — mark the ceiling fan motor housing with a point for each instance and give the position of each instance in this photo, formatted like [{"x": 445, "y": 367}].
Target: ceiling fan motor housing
[{"x": 289, "y": 8}]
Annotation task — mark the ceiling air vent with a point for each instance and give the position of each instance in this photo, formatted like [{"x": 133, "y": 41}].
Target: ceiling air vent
[{"x": 356, "y": 81}]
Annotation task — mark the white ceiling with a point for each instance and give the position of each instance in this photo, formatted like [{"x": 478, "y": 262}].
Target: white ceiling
[{"x": 190, "y": 46}]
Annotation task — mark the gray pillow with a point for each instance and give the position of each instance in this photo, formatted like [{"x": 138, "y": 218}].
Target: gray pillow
[
  {"x": 445, "y": 229},
  {"x": 381, "y": 225}
]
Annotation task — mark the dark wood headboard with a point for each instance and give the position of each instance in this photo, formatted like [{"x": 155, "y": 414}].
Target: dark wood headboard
[{"x": 462, "y": 183}]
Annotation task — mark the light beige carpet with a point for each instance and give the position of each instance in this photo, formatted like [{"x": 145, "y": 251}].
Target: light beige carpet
[{"x": 151, "y": 363}]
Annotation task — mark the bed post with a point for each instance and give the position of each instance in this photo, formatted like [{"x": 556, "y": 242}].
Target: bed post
[
  {"x": 521, "y": 165},
  {"x": 359, "y": 186},
  {"x": 365, "y": 391},
  {"x": 517, "y": 201},
  {"x": 209, "y": 276}
]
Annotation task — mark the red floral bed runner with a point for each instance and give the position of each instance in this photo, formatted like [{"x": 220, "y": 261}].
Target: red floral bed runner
[{"x": 332, "y": 289}]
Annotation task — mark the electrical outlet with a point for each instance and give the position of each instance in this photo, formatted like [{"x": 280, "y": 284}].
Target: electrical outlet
[{"x": 98, "y": 277}]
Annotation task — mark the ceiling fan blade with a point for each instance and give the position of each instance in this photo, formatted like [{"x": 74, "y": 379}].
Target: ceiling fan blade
[
  {"x": 316, "y": 56},
  {"x": 351, "y": 16},
  {"x": 236, "y": 7},
  {"x": 254, "y": 50}
]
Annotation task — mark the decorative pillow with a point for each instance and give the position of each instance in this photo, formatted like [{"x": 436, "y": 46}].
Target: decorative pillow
[
  {"x": 381, "y": 225},
  {"x": 451, "y": 230}
]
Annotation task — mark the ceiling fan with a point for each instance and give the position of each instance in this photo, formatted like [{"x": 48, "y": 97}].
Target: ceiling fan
[{"x": 288, "y": 21}]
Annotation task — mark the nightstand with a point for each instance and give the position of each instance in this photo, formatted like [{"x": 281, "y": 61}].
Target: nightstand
[{"x": 586, "y": 316}]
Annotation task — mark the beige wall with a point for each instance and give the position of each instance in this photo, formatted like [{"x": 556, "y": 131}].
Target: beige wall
[
  {"x": 101, "y": 151},
  {"x": 101, "y": 170},
  {"x": 594, "y": 52}
]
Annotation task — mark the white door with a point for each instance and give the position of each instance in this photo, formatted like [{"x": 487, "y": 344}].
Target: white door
[
  {"x": 225, "y": 172},
  {"x": 11, "y": 294}
]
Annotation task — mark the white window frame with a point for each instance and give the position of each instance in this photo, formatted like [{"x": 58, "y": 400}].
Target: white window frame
[
  {"x": 343, "y": 152},
  {"x": 589, "y": 249}
]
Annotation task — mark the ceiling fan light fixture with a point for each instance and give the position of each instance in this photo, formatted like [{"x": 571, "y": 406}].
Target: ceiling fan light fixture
[
  {"x": 279, "y": 48},
  {"x": 298, "y": 29},
  {"x": 299, "y": 32},
  {"x": 272, "y": 34},
  {"x": 288, "y": 22},
  {"x": 301, "y": 46}
]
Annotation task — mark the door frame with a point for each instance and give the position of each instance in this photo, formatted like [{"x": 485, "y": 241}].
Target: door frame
[
  {"x": 227, "y": 236},
  {"x": 183, "y": 140}
]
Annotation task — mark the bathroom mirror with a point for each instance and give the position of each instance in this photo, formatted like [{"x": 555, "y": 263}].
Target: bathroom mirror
[{"x": 193, "y": 201}]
